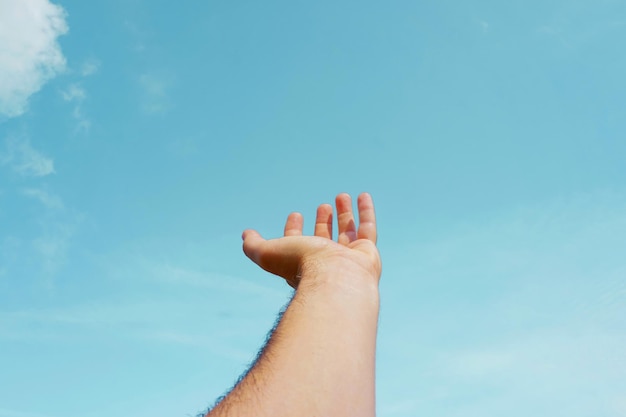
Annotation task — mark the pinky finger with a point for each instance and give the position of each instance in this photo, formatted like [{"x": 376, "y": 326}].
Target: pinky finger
[{"x": 294, "y": 225}]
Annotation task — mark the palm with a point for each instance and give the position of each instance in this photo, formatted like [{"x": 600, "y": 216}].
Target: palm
[{"x": 354, "y": 247}]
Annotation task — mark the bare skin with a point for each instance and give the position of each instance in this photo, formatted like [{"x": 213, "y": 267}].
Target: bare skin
[{"x": 320, "y": 360}]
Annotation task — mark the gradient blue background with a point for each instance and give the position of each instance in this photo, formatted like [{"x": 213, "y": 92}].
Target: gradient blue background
[{"x": 492, "y": 136}]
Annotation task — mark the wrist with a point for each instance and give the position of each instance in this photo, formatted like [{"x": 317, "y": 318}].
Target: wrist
[{"x": 340, "y": 280}]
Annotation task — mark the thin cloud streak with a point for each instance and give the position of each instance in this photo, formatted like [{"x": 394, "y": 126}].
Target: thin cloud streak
[
  {"x": 161, "y": 320},
  {"x": 73, "y": 93},
  {"x": 76, "y": 95},
  {"x": 49, "y": 200},
  {"x": 90, "y": 67},
  {"x": 174, "y": 275},
  {"x": 23, "y": 159},
  {"x": 15, "y": 413},
  {"x": 45, "y": 250}
]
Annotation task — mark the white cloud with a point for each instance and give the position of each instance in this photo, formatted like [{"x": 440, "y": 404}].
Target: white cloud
[
  {"x": 30, "y": 54},
  {"x": 24, "y": 159},
  {"x": 49, "y": 200},
  {"x": 83, "y": 124},
  {"x": 89, "y": 67},
  {"x": 76, "y": 94},
  {"x": 155, "y": 93}
]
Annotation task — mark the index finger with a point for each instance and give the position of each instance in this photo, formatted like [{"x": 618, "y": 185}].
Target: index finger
[{"x": 367, "y": 218}]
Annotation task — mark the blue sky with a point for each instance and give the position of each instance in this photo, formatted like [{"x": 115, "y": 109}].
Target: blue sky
[{"x": 139, "y": 138}]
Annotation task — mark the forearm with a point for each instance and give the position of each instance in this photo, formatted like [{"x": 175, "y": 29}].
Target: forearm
[{"x": 320, "y": 360}]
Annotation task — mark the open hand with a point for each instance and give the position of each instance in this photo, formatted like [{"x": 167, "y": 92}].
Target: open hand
[{"x": 354, "y": 251}]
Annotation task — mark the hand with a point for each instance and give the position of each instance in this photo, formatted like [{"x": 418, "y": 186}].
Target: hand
[{"x": 292, "y": 255}]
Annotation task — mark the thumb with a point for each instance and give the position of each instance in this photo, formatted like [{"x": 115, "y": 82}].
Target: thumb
[{"x": 252, "y": 242}]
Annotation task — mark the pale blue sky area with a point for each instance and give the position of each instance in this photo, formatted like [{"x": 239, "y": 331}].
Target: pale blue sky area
[{"x": 139, "y": 138}]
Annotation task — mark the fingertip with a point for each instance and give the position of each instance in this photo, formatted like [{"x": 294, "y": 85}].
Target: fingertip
[
  {"x": 251, "y": 241},
  {"x": 343, "y": 202},
  {"x": 342, "y": 197},
  {"x": 324, "y": 211},
  {"x": 247, "y": 233},
  {"x": 364, "y": 198},
  {"x": 324, "y": 221},
  {"x": 296, "y": 215},
  {"x": 294, "y": 224},
  {"x": 367, "y": 218}
]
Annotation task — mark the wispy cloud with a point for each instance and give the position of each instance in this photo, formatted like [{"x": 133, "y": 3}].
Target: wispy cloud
[
  {"x": 30, "y": 54},
  {"x": 203, "y": 340},
  {"x": 46, "y": 198},
  {"x": 181, "y": 276},
  {"x": 155, "y": 88},
  {"x": 484, "y": 25},
  {"x": 559, "y": 364},
  {"x": 57, "y": 226},
  {"x": 76, "y": 95},
  {"x": 162, "y": 319},
  {"x": 39, "y": 250},
  {"x": 23, "y": 159},
  {"x": 526, "y": 308},
  {"x": 90, "y": 67},
  {"x": 138, "y": 36},
  {"x": 15, "y": 413},
  {"x": 401, "y": 407},
  {"x": 158, "y": 302},
  {"x": 52, "y": 249},
  {"x": 555, "y": 33},
  {"x": 584, "y": 24}
]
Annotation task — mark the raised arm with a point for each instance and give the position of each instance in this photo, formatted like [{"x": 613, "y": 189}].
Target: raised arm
[{"x": 320, "y": 360}]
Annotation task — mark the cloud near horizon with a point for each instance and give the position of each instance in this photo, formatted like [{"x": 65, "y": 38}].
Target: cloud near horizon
[{"x": 522, "y": 313}]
